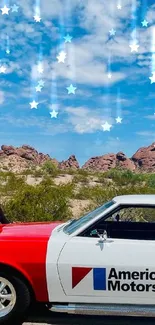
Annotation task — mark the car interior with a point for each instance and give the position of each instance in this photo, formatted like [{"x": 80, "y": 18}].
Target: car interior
[
  {"x": 3, "y": 218},
  {"x": 127, "y": 225}
]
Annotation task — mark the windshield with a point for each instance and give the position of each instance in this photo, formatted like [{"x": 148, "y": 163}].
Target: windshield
[{"x": 76, "y": 224}]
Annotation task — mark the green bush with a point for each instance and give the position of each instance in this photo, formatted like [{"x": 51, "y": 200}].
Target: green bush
[
  {"x": 40, "y": 203},
  {"x": 81, "y": 179},
  {"x": 50, "y": 168},
  {"x": 27, "y": 172},
  {"x": 123, "y": 177},
  {"x": 82, "y": 172},
  {"x": 150, "y": 181},
  {"x": 47, "y": 201},
  {"x": 14, "y": 183},
  {"x": 47, "y": 181},
  {"x": 98, "y": 194}
]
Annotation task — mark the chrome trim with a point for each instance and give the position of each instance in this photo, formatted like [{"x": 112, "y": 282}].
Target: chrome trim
[
  {"x": 106, "y": 309},
  {"x": 7, "y": 297}
]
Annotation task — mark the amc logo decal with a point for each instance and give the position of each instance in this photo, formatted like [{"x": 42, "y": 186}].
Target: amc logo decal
[{"x": 99, "y": 277}]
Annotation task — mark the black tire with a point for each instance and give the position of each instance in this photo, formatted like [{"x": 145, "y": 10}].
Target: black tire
[{"x": 23, "y": 300}]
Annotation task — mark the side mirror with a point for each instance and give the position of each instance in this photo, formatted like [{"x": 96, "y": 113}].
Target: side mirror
[{"x": 102, "y": 237}]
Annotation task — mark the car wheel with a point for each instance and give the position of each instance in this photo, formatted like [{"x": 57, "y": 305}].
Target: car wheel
[{"x": 14, "y": 299}]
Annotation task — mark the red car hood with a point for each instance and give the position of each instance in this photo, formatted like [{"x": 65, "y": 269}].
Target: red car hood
[{"x": 27, "y": 230}]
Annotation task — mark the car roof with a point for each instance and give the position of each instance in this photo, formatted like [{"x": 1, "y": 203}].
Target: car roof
[{"x": 141, "y": 199}]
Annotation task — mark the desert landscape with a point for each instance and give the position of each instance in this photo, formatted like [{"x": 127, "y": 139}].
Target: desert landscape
[{"x": 36, "y": 187}]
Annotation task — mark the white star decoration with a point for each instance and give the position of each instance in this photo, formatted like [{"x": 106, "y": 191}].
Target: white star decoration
[
  {"x": 8, "y": 51},
  {"x": 68, "y": 38},
  {"x": 112, "y": 32},
  {"x": 5, "y": 10},
  {"x": 40, "y": 68},
  {"x": 109, "y": 75},
  {"x": 41, "y": 83},
  {"x": 71, "y": 89},
  {"x": 152, "y": 78},
  {"x": 37, "y": 18},
  {"x": 106, "y": 126},
  {"x": 118, "y": 120},
  {"x": 38, "y": 88},
  {"x": 119, "y": 7},
  {"x": 15, "y": 8},
  {"x": 61, "y": 57},
  {"x": 144, "y": 23},
  {"x": 134, "y": 47},
  {"x": 34, "y": 104},
  {"x": 2, "y": 69},
  {"x": 53, "y": 114}
]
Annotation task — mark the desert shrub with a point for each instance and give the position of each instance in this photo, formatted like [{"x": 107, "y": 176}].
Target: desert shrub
[
  {"x": 13, "y": 183},
  {"x": 81, "y": 179},
  {"x": 4, "y": 175},
  {"x": 82, "y": 172},
  {"x": 136, "y": 189},
  {"x": 150, "y": 181},
  {"x": 98, "y": 194},
  {"x": 47, "y": 181},
  {"x": 123, "y": 177},
  {"x": 28, "y": 171},
  {"x": 101, "y": 177},
  {"x": 50, "y": 168},
  {"x": 40, "y": 203},
  {"x": 69, "y": 171}
]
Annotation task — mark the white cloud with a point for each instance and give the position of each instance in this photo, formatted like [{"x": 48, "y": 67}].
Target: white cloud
[
  {"x": 150, "y": 117},
  {"x": 87, "y": 55},
  {"x": 85, "y": 120},
  {"x": 146, "y": 133},
  {"x": 150, "y": 15},
  {"x": 2, "y": 98}
]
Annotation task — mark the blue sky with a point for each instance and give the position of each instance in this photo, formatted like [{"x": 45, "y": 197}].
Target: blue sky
[{"x": 91, "y": 57}]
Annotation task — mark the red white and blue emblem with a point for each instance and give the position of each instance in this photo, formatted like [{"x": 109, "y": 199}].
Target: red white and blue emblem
[{"x": 99, "y": 276}]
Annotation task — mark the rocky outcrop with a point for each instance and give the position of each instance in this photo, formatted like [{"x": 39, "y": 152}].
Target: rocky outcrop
[
  {"x": 8, "y": 150},
  {"x": 123, "y": 161},
  {"x": 23, "y": 157},
  {"x": 18, "y": 159},
  {"x": 71, "y": 162},
  {"x": 106, "y": 162},
  {"x": 99, "y": 163},
  {"x": 26, "y": 152},
  {"x": 144, "y": 158}
]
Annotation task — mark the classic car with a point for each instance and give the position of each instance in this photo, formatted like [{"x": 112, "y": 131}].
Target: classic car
[{"x": 100, "y": 264}]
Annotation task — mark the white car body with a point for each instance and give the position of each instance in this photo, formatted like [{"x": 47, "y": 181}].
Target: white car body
[{"x": 106, "y": 272}]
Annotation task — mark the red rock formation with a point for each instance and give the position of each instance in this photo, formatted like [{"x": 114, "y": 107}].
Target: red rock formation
[
  {"x": 71, "y": 162},
  {"x": 106, "y": 162},
  {"x": 144, "y": 158},
  {"x": 26, "y": 156},
  {"x": 22, "y": 156},
  {"x": 124, "y": 162},
  {"x": 101, "y": 163},
  {"x": 8, "y": 150}
]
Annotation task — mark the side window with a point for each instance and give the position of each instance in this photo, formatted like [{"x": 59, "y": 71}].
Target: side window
[
  {"x": 134, "y": 214},
  {"x": 128, "y": 223}
]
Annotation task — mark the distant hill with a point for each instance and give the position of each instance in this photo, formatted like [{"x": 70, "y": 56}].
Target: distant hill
[{"x": 18, "y": 159}]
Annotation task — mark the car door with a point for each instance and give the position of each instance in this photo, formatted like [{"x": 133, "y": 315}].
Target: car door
[{"x": 113, "y": 271}]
